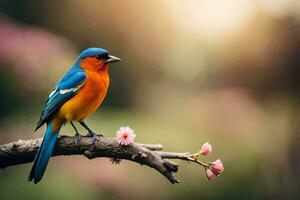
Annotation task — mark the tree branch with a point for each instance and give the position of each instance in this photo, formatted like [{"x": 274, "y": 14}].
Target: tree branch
[{"x": 24, "y": 151}]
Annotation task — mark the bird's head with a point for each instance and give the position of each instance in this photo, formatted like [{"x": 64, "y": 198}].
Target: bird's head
[{"x": 95, "y": 59}]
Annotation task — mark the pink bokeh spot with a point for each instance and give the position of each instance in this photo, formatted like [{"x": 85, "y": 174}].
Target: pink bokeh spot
[{"x": 125, "y": 136}]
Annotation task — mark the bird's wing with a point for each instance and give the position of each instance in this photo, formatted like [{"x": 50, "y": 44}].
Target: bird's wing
[{"x": 64, "y": 90}]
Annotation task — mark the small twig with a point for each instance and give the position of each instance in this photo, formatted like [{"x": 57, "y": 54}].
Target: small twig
[
  {"x": 182, "y": 156},
  {"x": 152, "y": 147}
]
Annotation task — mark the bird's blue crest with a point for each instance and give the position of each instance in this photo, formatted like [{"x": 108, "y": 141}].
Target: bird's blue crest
[{"x": 92, "y": 52}]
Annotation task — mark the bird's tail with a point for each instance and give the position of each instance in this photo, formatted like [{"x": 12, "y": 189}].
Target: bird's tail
[{"x": 44, "y": 153}]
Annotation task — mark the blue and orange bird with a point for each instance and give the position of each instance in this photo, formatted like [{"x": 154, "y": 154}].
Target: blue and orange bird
[{"x": 78, "y": 94}]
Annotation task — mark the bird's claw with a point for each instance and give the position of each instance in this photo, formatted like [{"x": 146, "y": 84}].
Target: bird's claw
[
  {"x": 78, "y": 138},
  {"x": 95, "y": 136}
]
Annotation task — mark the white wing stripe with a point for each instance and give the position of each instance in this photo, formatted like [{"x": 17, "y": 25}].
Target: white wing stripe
[
  {"x": 74, "y": 89},
  {"x": 52, "y": 93}
]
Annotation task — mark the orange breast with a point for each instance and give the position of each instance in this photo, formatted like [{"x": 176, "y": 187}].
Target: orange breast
[{"x": 88, "y": 98}]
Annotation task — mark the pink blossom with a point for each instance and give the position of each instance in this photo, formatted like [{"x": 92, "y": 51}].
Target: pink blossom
[
  {"x": 206, "y": 149},
  {"x": 217, "y": 167},
  {"x": 125, "y": 136},
  {"x": 209, "y": 174}
]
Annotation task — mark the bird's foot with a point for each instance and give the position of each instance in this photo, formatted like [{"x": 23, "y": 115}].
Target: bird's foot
[
  {"x": 95, "y": 136},
  {"x": 78, "y": 138}
]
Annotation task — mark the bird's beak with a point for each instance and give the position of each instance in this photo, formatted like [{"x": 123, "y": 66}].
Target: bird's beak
[{"x": 112, "y": 59}]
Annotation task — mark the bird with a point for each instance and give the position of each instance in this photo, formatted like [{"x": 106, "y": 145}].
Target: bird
[{"x": 77, "y": 95}]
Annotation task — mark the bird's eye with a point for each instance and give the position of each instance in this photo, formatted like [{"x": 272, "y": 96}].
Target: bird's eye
[{"x": 98, "y": 57}]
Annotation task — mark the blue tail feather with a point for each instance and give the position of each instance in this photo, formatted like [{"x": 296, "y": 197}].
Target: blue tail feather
[{"x": 44, "y": 153}]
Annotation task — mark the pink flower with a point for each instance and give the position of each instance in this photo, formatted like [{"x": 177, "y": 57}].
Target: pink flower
[
  {"x": 217, "y": 167},
  {"x": 206, "y": 149},
  {"x": 125, "y": 136},
  {"x": 209, "y": 174}
]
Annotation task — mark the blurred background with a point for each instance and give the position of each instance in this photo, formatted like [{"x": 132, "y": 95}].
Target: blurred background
[{"x": 223, "y": 71}]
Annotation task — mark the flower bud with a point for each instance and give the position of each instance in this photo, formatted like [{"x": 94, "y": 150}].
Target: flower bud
[
  {"x": 209, "y": 174},
  {"x": 206, "y": 149},
  {"x": 217, "y": 167}
]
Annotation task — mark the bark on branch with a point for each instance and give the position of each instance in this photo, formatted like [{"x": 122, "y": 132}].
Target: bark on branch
[{"x": 24, "y": 151}]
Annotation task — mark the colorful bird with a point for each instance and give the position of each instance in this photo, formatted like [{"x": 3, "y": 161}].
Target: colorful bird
[{"x": 78, "y": 94}]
